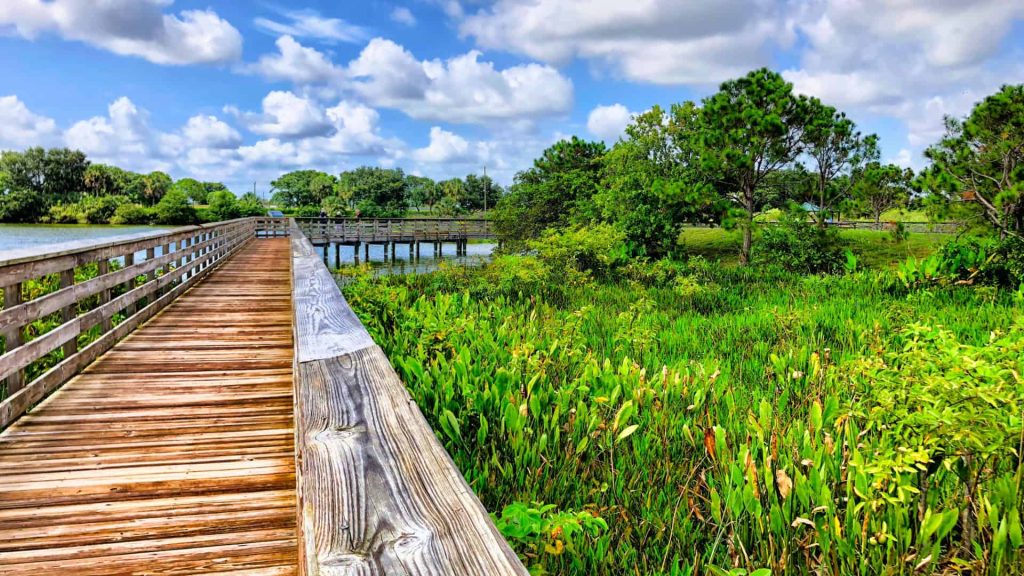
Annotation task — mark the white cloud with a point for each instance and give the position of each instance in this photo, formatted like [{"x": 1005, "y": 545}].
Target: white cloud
[
  {"x": 444, "y": 147},
  {"x": 21, "y": 128},
  {"x": 309, "y": 24},
  {"x": 297, "y": 64},
  {"x": 403, "y": 15},
  {"x": 124, "y": 138},
  {"x": 285, "y": 115},
  {"x": 659, "y": 41},
  {"x": 130, "y": 28},
  {"x": 462, "y": 89},
  {"x": 210, "y": 132},
  {"x": 609, "y": 122},
  {"x": 903, "y": 158}
]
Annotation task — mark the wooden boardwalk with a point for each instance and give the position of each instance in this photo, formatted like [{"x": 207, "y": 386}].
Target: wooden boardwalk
[{"x": 173, "y": 453}]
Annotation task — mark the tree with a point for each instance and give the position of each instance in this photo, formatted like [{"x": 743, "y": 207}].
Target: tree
[
  {"x": 194, "y": 189},
  {"x": 835, "y": 148},
  {"x": 251, "y": 205},
  {"x": 174, "y": 208},
  {"x": 750, "y": 128},
  {"x": 556, "y": 191},
  {"x": 223, "y": 205},
  {"x": 648, "y": 187},
  {"x": 302, "y": 188},
  {"x": 101, "y": 180},
  {"x": 980, "y": 161},
  {"x": 480, "y": 191},
  {"x": 154, "y": 186},
  {"x": 422, "y": 191},
  {"x": 882, "y": 187},
  {"x": 453, "y": 197},
  {"x": 377, "y": 192},
  {"x": 56, "y": 175}
]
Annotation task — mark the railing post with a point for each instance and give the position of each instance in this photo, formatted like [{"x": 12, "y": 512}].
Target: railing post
[
  {"x": 13, "y": 338},
  {"x": 67, "y": 279}
]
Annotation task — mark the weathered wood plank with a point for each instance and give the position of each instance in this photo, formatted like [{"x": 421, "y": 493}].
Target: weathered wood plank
[
  {"x": 377, "y": 493},
  {"x": 128, "y": 471}
]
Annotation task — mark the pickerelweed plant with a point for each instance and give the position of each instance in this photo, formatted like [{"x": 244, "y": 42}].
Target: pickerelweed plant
[{"x": 718, "y": 420}]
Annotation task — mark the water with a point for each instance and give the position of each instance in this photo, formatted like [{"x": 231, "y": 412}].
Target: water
[
  {"x": 20, "y": 236},
  {"x": 476, "y": 254}
]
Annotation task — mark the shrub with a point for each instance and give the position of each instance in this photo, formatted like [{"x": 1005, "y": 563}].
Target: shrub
[
  {"x": 307, "y": 211},
  {"x": 174, "y": 208},
  {"x": 577, "y": 255},
  {"x": 250, "y": 205},
  {"x": 63, "y": 214},
  {"x": 799, "y": 246},
  {"x": 22, "y": 205},
  {"x": 223, "y": 205},
  {"x": 132, "y": 214},
  {"x": 514, "y": 274},
  {"x": 99, "y": 210}
]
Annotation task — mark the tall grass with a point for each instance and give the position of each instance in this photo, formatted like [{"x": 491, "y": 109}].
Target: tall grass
[{"x": 727, "y": 421}]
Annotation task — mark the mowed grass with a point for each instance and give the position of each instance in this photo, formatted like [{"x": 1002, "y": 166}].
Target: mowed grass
[{"x": 874, "y": 249}]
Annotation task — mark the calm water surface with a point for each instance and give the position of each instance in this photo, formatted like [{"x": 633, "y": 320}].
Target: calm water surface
[
  {"x": 476, "y": 254},
  {"x": 19, "y": 236}
]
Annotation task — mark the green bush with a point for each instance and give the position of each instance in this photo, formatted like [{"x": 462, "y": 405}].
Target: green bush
[
  {"x": 175, "y": 209},
  {"x": 132, "y": 214},
  {"x": 63, "y": 214},
  {"x": 22, "y": 205},
  {"x": 577, "y": 255},
  {"x": 223, "y": 205},
  {"x": 307, "y": 211},
  {"x": 800, "y": 246}
]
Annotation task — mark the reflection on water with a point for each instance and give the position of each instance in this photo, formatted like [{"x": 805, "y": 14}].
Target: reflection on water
[
  {"x": 22, "y": 236},
  {"x": 404, "y": 262}
]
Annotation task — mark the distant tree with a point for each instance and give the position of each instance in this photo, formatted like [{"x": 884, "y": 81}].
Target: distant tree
[
  {"x": 835, "y": 148},
  {"x": 101, "y": 180},
  {"x": 174, "y": 208},
  {"x": 750, "y": 128},
  {"x": 883, "y": 187},
  {"x": 208, "y": 188},
  {"x": 223, "y": 205},
  {"x": 250, "y": 205},
  {"x": 453, "y": 197},
  {"x": 980, "y": 161},
  {"x": 155, "y": 186},
  {"x": 302, "y": 188},
  {"x": 56, "y": 175},
  {"x": 421, "y": 191},
  {"x": 194, "y": 189},
  {"x": 377, "y": 192},
  {"x": 480, "y": 191},
  {"x": 556, "y": 191}
]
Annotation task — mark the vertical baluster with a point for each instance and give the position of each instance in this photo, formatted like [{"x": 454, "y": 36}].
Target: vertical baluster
[
  {"x": 102, "y": 268},
  {"x": 129, "y": 261},
  {"x": 13, "y": 337},
  {"x": 67, "y": 278}
]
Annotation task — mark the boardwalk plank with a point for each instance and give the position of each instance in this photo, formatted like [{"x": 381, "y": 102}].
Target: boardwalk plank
[{"x": 174, "y": 452}]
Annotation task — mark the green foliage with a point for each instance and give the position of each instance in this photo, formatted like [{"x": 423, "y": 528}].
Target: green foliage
[
  {"x": 251, "y": 205},
  {"x": 223, "y": 205},
  {"x": 21, "y": 205},
  {"x": 798, "y": 246},
  {"x": 979, "y": 164},
  {"x": 88, "y": 210},
  {"x": 174, "y": 208},
  {"x": 555, "y": 192},
  {"x": 882, "y": 188},
  {"x": 377, "y": 192},
  {"x": 132, "y": 214},
  {"x": 194, "y": 189},
  {"x": 722, "y": 419},
  {"x": 542, "y": 530},
  {"x": 577, "y": 255},
  {"x": 302, "y": 188}
]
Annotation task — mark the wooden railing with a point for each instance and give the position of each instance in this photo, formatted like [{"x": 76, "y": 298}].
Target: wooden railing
[
  {"x": 270, "y": 227},
  {"x": 132, "y": 278},
  {"x": 350, "y": 230},
  {"x": 377, "y": 493}
]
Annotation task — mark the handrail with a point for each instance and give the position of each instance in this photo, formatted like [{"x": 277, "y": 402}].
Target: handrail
[
  {"x": 173, "y": 261},
  {"x": 377, "y": 493}
]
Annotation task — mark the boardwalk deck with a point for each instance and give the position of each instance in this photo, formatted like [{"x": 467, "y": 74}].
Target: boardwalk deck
[{"x": 174, "y": 452}]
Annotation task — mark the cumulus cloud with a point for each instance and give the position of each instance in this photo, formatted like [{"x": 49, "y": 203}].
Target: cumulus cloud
[
  {"x": 124, "y": 137},
  {"x": 310, "y": 24},
  {"x": 210, "y": 132},
  {"x": 295, "y": 63},
  {"x": 445, "y": 147},
  {"x": 659, "y": 41},
  {"x": 21, "y": 128},
  {"x": 609, "y": 122},
  {"x": 130, "y": 28},
  {"x": 403, "y": 15},
  {"x": 285, "y": 115},
  {"x": 462, "y": 89}
]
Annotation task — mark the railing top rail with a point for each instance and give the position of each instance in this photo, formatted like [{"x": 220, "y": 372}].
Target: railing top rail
[
  {"x": 351, "y": 219},
  {"x": 48, "y": 251}
]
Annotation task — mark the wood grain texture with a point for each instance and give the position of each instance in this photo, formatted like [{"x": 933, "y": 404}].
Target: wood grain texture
[
  {"x": 378, "y": 495},
  {"x": 173, "y": 453}
]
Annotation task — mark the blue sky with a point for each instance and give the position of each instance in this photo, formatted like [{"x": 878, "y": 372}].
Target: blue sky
[{"x": 241, "y": 91}]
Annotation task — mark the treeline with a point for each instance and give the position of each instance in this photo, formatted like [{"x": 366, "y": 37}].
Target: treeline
[
  {"x": 754, "y": 146},
  {"x": 61, "y": 186},
  {"x": 371, "y": 192}
]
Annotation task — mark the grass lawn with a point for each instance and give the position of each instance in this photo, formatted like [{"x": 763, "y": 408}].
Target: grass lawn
[{"x": 875, "y": 249}]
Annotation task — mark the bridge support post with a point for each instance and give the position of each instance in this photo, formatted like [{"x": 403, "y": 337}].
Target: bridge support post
[
  {"x": 392, "y": 252},
  {"x": 410, "y": 251},
  {"x": 366, "y": 252},
  {"x": 337, "y": 255},
  {"x": 355, "y": 253}
]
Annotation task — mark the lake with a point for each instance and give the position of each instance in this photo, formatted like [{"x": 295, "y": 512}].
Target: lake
[
  {"x": 20, "y": 236},
  {"x": 476, "y": 254}
]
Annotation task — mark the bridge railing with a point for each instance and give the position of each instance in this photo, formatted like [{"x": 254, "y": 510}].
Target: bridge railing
[
  {"x": 341, "y": 230},
  {"x": 377, "y": 493},
  {"x": 65, "y": 305}
]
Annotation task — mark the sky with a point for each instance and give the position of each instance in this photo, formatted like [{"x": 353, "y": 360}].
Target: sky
[{"x": 241, "y": 91}]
